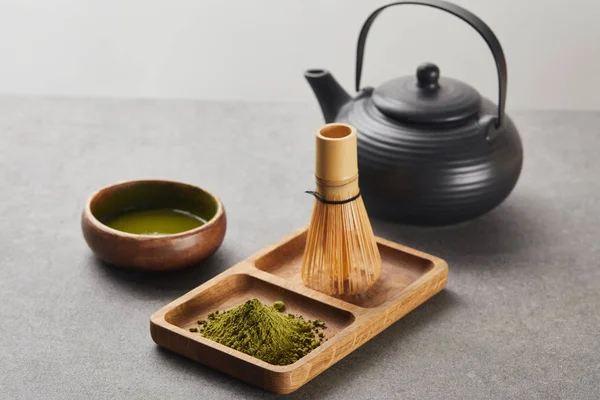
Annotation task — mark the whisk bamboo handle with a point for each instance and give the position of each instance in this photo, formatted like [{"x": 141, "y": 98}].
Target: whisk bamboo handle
[{"x": 336, "y": 159}]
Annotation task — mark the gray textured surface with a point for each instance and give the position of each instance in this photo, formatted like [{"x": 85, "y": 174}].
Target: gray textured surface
[{"x": 520, "y": 317}]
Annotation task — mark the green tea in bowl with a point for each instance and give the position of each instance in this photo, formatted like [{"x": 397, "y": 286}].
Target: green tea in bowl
[
  {"x": 161, "y": 221},
  {"x": 153, "y": 225}
]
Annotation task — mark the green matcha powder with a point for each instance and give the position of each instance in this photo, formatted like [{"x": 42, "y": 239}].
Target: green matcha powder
[{"x": 264, "y": 332}]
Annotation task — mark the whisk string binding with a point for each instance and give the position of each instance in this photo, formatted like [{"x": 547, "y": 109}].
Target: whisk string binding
[{"x": 325, "y": 201}]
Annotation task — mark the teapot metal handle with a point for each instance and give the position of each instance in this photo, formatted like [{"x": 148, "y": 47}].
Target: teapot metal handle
[{"x": 470, "y": 18}]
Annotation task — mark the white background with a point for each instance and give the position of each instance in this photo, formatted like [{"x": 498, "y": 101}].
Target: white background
[{"x": 258, "y": 49}]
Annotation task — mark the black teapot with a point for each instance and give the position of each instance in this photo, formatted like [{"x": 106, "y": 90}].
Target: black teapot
[{"x": 431, "y": 150}]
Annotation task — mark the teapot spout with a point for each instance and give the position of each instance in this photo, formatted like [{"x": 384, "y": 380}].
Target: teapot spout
[{"x": 330, "y": 94}]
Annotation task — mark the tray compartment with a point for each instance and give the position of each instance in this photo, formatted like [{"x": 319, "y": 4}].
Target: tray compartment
[
  {"x": 399, "y": 269},
  {"x": 238, "y": 288}
]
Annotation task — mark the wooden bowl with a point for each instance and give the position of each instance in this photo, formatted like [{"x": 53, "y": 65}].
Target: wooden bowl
[{"x": 153, "y": 252}]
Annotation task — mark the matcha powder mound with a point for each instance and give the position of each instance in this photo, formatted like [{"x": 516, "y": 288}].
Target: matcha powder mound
[{"x": 263, "y": 332}]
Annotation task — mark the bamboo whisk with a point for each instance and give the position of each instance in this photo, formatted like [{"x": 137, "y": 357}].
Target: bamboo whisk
[{"x": 341, "y": 255}]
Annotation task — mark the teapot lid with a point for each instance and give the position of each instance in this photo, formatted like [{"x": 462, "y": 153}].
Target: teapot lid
[{"x": 426, "y": 98}]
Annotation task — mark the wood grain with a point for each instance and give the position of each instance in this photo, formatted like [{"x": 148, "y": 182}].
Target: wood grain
[{"x": 409, "y": 277}]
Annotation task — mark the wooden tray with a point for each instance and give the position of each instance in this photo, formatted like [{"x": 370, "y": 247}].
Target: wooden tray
[{"x": 408, "y": 278}]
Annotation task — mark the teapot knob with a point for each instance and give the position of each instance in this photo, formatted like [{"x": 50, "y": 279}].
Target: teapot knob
[{"x": 428, "y": 75}]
